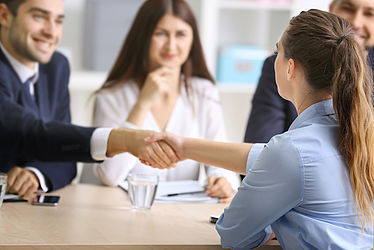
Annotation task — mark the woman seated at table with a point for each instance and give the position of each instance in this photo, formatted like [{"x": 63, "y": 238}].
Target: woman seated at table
[
  {"x": 160, "y": 82},
  {"x": 314, "y": 184}
]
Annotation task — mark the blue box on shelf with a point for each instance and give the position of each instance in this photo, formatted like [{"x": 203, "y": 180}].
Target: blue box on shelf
[{"x": 240, "y": 63}]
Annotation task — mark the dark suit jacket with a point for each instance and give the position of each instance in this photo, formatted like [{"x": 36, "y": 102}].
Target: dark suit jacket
[
  {"x": 42, "y": 131},
  {"x": 271, "y": 114}
]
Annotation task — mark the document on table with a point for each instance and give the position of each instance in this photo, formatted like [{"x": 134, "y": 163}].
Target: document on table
[{"x": 179, "y": 192}]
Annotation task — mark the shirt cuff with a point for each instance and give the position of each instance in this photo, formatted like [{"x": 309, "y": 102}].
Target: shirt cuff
[
  {"x": 99, "y": 143},
  {"x": 253, "y": 154},
  {"x": 41, "y": 178}
]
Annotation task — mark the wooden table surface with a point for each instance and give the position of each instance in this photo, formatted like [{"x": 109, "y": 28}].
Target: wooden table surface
[{"x": 98, "y": 217}]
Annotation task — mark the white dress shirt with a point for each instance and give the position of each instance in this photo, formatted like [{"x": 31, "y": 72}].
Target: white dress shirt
[{"x": 198, "y": 115}]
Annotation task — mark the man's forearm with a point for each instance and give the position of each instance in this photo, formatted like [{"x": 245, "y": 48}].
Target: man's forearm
[{"x": 117, "y": 141}]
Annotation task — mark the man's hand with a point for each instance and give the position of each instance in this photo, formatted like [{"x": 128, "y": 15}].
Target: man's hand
[
  {"x": 174, "y": 141},
  {"x": 22, "y": 182},
  {"x": 219, "y": 187},
  {"x": 158, "y": 154}
]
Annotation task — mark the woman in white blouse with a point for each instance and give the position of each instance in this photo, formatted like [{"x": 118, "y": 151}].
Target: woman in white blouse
[{"x": 160, "y": 82}]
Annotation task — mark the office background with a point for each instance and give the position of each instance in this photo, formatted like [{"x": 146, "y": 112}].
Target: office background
[{"x": 94, "y": 31}]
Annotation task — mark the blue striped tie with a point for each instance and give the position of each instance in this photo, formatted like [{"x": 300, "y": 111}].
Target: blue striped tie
[{"x": 27, "y": 89}]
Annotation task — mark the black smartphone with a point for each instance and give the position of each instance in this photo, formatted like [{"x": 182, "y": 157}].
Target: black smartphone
[
  {"x": 213, "y": 219},
  {"x": 46, "y": 200}
]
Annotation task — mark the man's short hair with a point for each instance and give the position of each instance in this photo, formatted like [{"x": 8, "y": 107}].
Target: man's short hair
[{"x": 12, "y": 5}]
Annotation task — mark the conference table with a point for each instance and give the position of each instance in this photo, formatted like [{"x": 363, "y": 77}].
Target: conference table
[{"x": 92, "y": 217}]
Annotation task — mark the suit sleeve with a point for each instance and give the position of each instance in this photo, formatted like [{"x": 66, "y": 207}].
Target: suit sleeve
[
  {"x": 25, "y": 137},
  {"x": 269, "y": 112},
  {"x": 59, "y": 174}
]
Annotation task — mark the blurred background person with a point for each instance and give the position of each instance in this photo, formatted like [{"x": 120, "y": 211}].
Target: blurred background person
[
  {"x": 271, "y": 114},
  {"x": 160, "y": 82}
]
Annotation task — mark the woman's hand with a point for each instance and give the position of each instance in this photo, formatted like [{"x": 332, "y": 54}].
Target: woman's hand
[
  {"x": 219, "y": 187},
  {"x": 156, "y": 85},
  {"x": 173, "y": 141},
  {"x": 158, "y": 154}
]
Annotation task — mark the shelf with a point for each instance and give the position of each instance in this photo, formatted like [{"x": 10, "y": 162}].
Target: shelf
[
  {"x": 236, "y": 87},
  {"x": 254, "y": 5}
]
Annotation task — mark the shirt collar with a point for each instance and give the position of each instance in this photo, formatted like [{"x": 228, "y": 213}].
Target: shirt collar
[
  {"x": 24, "y": 73},
  {"x": 323, "y": 108}
]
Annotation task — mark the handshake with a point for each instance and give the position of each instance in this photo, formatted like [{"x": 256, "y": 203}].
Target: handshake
[
  {"x": 157, "y": 149},
  {"x": 163, "y": 150}
]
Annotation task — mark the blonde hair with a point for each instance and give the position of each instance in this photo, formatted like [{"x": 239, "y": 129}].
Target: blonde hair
[{"x": 333, "y": 61}]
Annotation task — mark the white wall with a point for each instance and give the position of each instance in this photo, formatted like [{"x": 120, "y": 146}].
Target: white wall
[
  {"x": 73, "y": 24},
  {"x": 310, "y": 4},
  {"x": 71, "y": 43}
]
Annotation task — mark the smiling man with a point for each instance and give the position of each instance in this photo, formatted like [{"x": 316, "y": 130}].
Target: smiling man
[
  {"x": 39, "y": 76},
  {"x": 271, "y": 114},
  {"x": 34, "y": 106},
  {"x": 360, "y": 14}
]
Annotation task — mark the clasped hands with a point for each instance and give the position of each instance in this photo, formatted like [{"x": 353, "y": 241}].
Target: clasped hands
[
  {"x": 164, "y": 150},
  {"x": 161, "y": 150}
]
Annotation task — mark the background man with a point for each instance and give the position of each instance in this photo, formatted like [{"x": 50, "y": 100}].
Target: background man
[{"x": 271, "y": 114}]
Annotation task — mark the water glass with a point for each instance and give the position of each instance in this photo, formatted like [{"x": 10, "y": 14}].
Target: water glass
[
  {"x": 3, "y": 180},
  {"x": 142, "y": 190}
]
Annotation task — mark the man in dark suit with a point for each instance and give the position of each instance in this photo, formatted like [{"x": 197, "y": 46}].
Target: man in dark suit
[
  {"x": 35, "y": 102},
  {"x": 49, "y": 102},
  {"x": 39, "y": 77},
  {"x": 271, "y": 114},
  {"x": 24, "y": 137}
]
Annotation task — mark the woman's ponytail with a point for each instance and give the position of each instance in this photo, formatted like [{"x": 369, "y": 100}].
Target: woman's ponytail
[{"x": 352, "y": 95}]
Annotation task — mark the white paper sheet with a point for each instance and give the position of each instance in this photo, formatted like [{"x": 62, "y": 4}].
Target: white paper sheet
[{"x": 179, "y": 192}]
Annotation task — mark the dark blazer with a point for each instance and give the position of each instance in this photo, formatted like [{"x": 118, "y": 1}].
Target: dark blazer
[
  {"x": 41, "y": 130},
  {"x": 271, "y": 114}
]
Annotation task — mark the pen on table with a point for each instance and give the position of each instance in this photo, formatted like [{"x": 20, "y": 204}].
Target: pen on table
[{"x": 185, "y": 193}]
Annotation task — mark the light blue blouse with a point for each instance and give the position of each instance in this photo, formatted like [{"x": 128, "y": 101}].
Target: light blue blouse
[{"x": 298, "y": 184}]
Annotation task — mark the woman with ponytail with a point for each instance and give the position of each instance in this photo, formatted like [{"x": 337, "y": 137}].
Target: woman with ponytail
[{"x": 314, "y": 184}]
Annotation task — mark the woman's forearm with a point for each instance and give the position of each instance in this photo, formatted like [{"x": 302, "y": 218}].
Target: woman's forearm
[{"x": 231, "y": 156}]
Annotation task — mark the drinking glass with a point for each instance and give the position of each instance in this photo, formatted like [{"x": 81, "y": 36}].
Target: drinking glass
[{"x": 142, "y": 190}]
